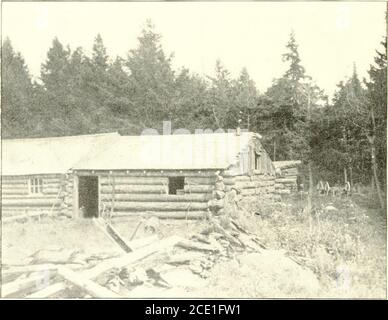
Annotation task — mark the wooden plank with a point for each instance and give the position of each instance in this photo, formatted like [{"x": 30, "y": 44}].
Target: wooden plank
[
  {"x": 112, "y": 234},
  {"x": 89, "y": 286}
]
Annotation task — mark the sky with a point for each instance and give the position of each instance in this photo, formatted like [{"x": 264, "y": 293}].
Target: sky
[{"x": 331, "y": 35}]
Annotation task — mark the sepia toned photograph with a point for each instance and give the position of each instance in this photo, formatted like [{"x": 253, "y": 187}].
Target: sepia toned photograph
[{"x": 192, "y": 150}]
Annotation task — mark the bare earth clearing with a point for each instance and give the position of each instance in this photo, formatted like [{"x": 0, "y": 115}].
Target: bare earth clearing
[{"x": 335, "y": 253}]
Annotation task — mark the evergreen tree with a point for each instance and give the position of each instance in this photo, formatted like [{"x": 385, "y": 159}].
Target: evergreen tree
[
  {"x": 220, "y": 96},
  {"x": 17, "y": 93},
  {"x": 296, "y": 71},
  {"x": 152, "y": 78}
]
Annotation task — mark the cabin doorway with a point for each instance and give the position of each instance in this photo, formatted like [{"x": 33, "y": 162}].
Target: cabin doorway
[{"x": 88, "y": 196}]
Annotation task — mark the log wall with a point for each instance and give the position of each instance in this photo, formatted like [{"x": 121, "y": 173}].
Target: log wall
[
  {"x": 142, "y": 194},
  {"x": 254, "y": 187},
  {"x": 17, "y": 198}
]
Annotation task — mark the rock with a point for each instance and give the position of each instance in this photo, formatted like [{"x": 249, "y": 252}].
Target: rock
[{"x": 330, "y": 209}]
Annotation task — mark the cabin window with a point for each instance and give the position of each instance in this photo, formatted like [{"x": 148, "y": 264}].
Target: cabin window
[
  {"x": 176, "y": 185},
  {"x": 36, "y": 185},
  {"x": 257, "y": 161}
]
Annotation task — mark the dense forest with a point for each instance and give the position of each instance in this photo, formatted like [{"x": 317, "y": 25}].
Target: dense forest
[{"x": 79, "y": 94}]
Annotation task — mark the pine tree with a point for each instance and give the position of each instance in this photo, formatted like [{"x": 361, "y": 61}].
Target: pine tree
[
  {"x": 296, "y": 71},
  {"x": 245, "y": 99},
  {"x": 99, "y": 56},
  {"x": 152, "y": 78},
  {"x": 16, "y": 93},
  {"x": 220, "y": 96}
]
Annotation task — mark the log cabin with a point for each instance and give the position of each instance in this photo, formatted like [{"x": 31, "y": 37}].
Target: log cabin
[{"x": 169, "y": 176}]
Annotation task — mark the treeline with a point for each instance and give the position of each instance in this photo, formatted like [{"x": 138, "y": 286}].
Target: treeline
[{"x": 79, "y": 94}]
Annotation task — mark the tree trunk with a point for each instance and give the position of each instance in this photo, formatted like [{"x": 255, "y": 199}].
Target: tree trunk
[{"x": 371, "y": 140}]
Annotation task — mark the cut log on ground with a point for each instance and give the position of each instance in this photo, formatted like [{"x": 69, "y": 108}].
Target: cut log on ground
[{"x": 89, "y": 286}]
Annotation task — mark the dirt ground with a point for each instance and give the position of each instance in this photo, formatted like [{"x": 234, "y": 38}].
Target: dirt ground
[{"x": 245, "y": 276}]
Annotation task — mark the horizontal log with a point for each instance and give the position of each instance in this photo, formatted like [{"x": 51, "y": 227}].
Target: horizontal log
[
  {"x": 162, "y": 206},
  {"x": 149, "y": 173},
  {"x": 157, "y": 197},
  {"x": 11, "y": 186},
  {"x": 164, "y": 215},
  {"x": 14, "y": 192},
  {"x": 25, "y": 178},
  {"x": 246, "y": 185},
  {"x": 121, "y": 180},
  {"x": 285, "y": 180},
  {"x": 14, "y": 187},
  {"x": 30, "y": 202},
  {"x": 200, "y": 180},
  {"x": 135, "y": 189},
  {"x": 199, "y": 188}
]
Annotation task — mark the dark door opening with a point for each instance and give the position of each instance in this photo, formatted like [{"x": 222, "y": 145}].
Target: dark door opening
[{"x": 88, "y": 196}]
